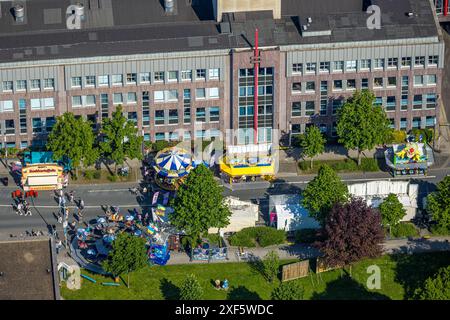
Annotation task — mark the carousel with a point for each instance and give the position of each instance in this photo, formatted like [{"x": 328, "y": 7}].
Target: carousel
[{"x": 171, "y": 166}]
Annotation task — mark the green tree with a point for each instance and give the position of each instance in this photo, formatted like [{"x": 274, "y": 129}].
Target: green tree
[
  {"x": 191, "y": 289},
  {"x": 74, "y": 138},
  {"x": 438, "y": 204},
  {"x": 120, "y": 139},
  {"x": 436, "y": 287},
  {"x": 323, "y": 192},
  {"x": 271, "y": 264},
  {"x": 199, "y": 204},
  {"x": 290, "y": 290},
  {"x": 312, "y": 143},
  {"x": 128, "y": 254},
  {"x": 361, "y": 125},
  {"x": 392, "y": 211}
]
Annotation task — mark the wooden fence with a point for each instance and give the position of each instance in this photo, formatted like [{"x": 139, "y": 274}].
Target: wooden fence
[{"x": 295, "y": 270}]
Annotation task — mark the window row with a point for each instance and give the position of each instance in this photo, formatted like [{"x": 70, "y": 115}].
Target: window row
[
  {"x": 144, "y": 78},
  {"x": 365, "y": 64},
  {"x": 32, "y": 85}
]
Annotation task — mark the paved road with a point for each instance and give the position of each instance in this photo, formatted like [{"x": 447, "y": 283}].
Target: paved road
[{"x": 118, "y": 194}]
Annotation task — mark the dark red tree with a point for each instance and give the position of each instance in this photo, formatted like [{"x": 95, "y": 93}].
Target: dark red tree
[{"x": 353, "y": 231}]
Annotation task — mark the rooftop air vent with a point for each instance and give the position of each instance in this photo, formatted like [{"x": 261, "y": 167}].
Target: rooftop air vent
[
  {"x": 309, "y": 20},
  {"x": 19, "y": 12}
]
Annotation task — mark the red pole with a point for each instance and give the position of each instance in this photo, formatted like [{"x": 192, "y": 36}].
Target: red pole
[
  {"x": 255, "y": 94},
  {"x": 445, "y": 7}
]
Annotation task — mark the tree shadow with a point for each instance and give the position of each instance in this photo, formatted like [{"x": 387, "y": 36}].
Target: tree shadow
[
  {"x": 256, "y": 265},
  {"x": 413, "y": 269},
  {"x": 242, "y": 293},
  {"x": 346, "y": 288},
  {"x": 169, "y": 290}
]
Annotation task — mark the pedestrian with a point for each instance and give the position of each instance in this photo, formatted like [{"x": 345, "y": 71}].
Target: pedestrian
[
  {"x": 81, "y": 204},
  {"x": 60, "y": 218}
]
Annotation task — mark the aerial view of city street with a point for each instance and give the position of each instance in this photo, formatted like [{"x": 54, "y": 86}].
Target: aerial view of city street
[{"x": 193, "y": 150}]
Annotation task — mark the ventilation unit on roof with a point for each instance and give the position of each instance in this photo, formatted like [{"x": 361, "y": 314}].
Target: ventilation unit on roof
[
  {"x": 19, "y": 12},
  {"x": 79, "y": 9},
  {"x": 169, "y": 5},
  {"x": 309, "y": 20}
]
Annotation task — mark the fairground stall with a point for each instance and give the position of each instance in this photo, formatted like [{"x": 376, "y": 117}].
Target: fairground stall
[
  {"x": 247, "y": 163},
  {"x": 412, "y": 158},
  {"x": 42, "y": 177},
  {"x": 171, "y": 166}
]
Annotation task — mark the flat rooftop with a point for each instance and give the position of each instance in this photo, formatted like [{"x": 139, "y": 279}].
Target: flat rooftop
[
  {"x": 24, "y": 270},
  {"x": 123, "y": 27}
]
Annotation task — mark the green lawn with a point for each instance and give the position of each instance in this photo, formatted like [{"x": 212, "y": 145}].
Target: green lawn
[
  {"x": 342, "y": 166},
  {"x": 401, "y": 275}
]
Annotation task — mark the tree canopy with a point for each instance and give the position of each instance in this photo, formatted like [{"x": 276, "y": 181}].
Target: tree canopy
[
  {"x": 271, "y": 264},
  {"x": 438, "y": 204},
  {"x": 290, "y": 290},
  {"x": 120, "y": 138},
  {"x": 312, "y": 143},
  {"x": 323, "y": 192},
  {"x": 436, "y": 287},
  {"x": 361, "y": 125},
  {"x": 128, "y": 254},
  {"x": 191, "y": 289},
  {"x": 392, "y": 211},
  {"x": 199, "y": 204},
  {"x": 352, "y": 232},
  {"x": 73, "y": 137}
]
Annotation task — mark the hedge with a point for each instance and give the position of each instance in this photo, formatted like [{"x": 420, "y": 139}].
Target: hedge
[
  {"x": 404, "y": 230},
  {"x": 264, "y": 236}
]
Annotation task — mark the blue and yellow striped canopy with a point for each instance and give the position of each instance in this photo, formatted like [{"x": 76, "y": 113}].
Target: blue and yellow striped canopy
[{"x": 173, "y": 162}]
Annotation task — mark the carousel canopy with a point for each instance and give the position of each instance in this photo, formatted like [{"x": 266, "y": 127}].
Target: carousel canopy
[{"x": 173, "y": 162}]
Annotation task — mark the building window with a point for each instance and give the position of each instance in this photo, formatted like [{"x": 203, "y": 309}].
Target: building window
[
  {"x": 311, "y": 67},
  {"x": 419, "y": 61},
  {"x": 160, "y": 136},
  {"x": 324, "y": 67},
  {"x": 9, "y": 126},
  {"x": 213, "y": 93},
  {"x": 416, "y": 122},
  {"x": 76, "y": 82},
  {"x": 159, "y": 117},
  {"x": 90, "y": 81},
  {"x": 76, "y": 101},
  {"x": 433, "y": 61},
  {"x": 200, "y": 115},
  {"x": 310, "y": 86},
  {"x": 159, "y": 76},
  {"x": 350, "y": 65},
  {"x": 392, "y": 63},
  {"x": 364, "y": 83},
  {"x": 323, "y": 87},
  {"x": 378, "y": 64},
  {"x": 35, "y": 84},
  {"x": 378, "y": 82},
  {"x": 145, "y": 78},
  {"x": 173, "y": 116},
  {"x": 403, "y": 123},
  {"x": 103, "y": 81},
  {"x": 390, "y": 103},
  {"x": 351, "y": 84},
  {"x": 117, "y": 98},
  {"x": 36, "y": 125},
  {"x": 323, "y": 107},
  {"x": 90, "y": 100},
  {"x": 417, "y": 102},
  {"x": 49, "y": 123},
  {"x": 213, "y": 74},
  {"x": 200, "y": 93},
  {"x": 6, "y": 106},
  {"x": 7, "y": 86},
  {"x": 296, "y": 109},
  {"x": 337, "y": 104},
  {"x": 338, "y": 66},
  {"x": 430, "y": 122},
  {"x": 131, "y": 78},
  {"x": 296, "y": 87},
  {"x": 200, "y": 74},
  {"x": 117, "y": 79},
  {"x": 49, "y": 83},
  {"x": 406, "y": 62},
  {"x": 158, "y": 96},
  {"x": 337, "y": 85},
  {"x": 431, "y": 101},
  {"x": 405, "y": 82},
  {"x": 171, "y": 95},
  {"x": 173, "y": 76},
  {"x": 365, "y": 64},
  {"x": 310, "y": 108},
  {"x": 131, "y": 98},
  {"x": 431, "y": 80},
  {"x": 186, "y": 75},
  {"x": 378, "y": 102},
  {"x": 418, "y": 81},
  {"x": 42, "y": 104},
  {"x": 214, "y": 114},
  {"x": 404, "y": 103},
  {"x": 297, "y": 68},
  {"x": 392, "y": 82}
]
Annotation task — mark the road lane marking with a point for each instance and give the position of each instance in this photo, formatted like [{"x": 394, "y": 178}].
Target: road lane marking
[
  {"x": 108, "y": 190},
  {"x": 86, "y": 207}
]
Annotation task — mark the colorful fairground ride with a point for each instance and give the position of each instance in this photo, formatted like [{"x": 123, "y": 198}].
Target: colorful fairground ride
[
  {"x": 247, "y": 163},
  {"x": 172, "y": 165},
  {"x": 411, "y": 158}
]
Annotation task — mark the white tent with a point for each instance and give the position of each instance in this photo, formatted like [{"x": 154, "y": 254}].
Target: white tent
[
  {"x": 375, "y": 192},
  {"x": 244, "y": 214},
  {"x": 290, "y": 214}
]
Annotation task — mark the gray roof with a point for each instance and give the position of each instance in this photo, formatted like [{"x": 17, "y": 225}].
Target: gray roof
[
  {"x": 27, "y": 270},
  {"x": 123, "y": 27}
]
